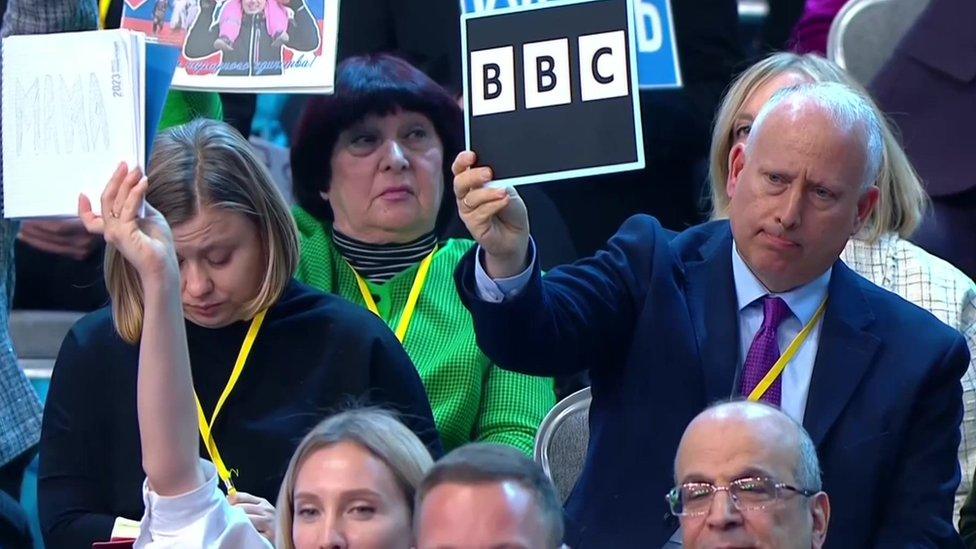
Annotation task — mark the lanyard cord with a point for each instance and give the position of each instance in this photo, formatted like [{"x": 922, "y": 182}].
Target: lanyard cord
[
  {"x": 774, "y": 373},
  {"x": 412, "y": 298},
  {"x": 207, "y": 427}
]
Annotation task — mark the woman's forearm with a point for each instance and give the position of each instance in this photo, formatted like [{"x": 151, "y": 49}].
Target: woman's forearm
[{"x": 166, "y": 406}]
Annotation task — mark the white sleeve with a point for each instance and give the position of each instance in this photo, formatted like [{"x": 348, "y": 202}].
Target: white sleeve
[
  {"x": 496, "y": 290},
  {"x": 201, "y": 518}
]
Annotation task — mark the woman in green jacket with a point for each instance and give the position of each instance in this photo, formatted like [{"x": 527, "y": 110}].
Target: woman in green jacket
[{"x": 369, "y": 165}]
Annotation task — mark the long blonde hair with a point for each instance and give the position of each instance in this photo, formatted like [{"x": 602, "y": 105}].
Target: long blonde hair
[
  {"x": 902, "y": 199},
  {"x": 376, "y": 431},
  {"x": 206, "y": 163}
]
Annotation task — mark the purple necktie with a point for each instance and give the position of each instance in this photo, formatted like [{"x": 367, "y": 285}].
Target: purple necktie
[{"x": 764, "y": 351}]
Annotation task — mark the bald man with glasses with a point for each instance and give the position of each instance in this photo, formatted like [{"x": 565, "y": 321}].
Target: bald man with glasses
[{"x": 748, "y": 475}]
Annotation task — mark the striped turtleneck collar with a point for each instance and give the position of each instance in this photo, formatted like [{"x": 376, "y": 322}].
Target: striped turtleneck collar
[{"x": 378, "y": 263}]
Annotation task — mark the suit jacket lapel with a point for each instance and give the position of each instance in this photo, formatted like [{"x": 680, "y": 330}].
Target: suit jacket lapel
[
  {"x": 712, "y": 305},
  {"x": 845, "y": 353}
]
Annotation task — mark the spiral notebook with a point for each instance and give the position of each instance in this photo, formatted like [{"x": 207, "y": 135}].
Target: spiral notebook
[{"x": 74, "y": 106}]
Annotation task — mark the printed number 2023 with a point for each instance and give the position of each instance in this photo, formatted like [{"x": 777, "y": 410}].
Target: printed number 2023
[{"x": 116, "y": 85}]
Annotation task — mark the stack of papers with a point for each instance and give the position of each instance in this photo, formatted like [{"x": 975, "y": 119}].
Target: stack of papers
[{"x": 74, "y": 106}]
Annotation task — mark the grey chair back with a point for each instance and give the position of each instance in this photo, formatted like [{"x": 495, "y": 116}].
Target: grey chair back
[
  {"x": 560, "y": 444},
  {"x": 37, "y": 337},
  {"x": 864, "y": 34}
]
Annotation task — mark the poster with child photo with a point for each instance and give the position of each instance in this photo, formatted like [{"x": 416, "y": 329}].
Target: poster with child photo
[{"x": 244, "y": 45}]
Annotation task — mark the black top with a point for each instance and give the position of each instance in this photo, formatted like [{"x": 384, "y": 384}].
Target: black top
[{"x": 315, "y": 354}]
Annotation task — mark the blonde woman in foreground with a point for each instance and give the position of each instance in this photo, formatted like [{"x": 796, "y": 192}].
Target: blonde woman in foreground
[{"x": 351, "y": 481}]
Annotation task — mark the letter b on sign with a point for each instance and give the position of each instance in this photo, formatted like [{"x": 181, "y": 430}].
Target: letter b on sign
[
  {"x": 603, "y": 66},
  {"x": 492, "y": 81},
  {"x": 546, "y": 68}
]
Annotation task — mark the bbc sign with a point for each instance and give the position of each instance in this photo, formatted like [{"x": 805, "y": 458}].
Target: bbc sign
[
  {"x": 657, "y": 54},
  {"x": 551, "y": 90}
]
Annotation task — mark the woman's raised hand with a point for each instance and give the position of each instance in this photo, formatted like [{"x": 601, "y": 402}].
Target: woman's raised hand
[
  {"x": 145, "y": 242},
  {"x": 496, "y": 218}
]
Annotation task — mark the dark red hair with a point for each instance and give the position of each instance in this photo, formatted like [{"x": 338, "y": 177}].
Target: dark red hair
[{"x": 378, "y": 84}]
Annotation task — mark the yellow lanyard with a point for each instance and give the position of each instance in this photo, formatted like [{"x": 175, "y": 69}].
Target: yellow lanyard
[
  {"x": 418, "y": 285},
  {"x": 103, "y": 6},
  {"x": 205, "y": 427},
  {"x": 767, "y": 381}
]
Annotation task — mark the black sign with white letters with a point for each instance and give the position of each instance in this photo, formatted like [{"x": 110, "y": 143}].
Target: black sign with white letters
[{"x": 551, "y": 90}]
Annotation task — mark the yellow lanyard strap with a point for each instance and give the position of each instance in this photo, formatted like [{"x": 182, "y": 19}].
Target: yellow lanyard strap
[
  {"x": 205, "y": 427},
  {"x": 777, "y": 369},
  {"x": 103, "y": 6},
  {"x": 412, "y": 298}
]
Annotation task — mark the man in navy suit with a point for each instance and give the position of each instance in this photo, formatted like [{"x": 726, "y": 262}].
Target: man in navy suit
[{"x": 667, "y": 324}]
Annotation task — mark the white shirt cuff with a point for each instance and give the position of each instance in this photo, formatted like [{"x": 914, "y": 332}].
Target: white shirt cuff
[
  {"x": 201, "y": 517},
  {"x": 496, "y": 290}
]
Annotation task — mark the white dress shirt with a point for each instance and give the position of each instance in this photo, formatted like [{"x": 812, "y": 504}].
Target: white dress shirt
[
  {"x": 200, "y": 518},
  {"x": 803, "y": 303}
]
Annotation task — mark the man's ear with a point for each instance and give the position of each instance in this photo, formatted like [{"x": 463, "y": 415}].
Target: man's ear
[
  {"x": 737, "y": 161},
  {"x": 865, "y": 205},
  {"x": 820, "y": 511}
]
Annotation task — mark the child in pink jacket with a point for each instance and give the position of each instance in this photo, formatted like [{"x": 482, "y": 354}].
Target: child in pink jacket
[{"x": 232, "y": 14}]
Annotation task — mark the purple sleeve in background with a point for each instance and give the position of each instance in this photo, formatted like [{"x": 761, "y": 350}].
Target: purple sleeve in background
[{"x": 810, "y": 33}]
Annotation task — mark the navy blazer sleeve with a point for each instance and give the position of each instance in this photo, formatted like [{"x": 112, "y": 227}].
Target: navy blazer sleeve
[
  {"x": 918, "y": 510},
  {"x": 576, "y": 317}
]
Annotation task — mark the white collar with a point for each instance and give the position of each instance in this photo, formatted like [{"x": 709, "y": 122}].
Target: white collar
[{"x": 802, "y": 301}]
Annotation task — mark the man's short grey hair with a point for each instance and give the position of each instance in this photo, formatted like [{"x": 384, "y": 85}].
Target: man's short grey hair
[
  {"x": 849, "y": 110},
  {"x": 806, "y": 468}
]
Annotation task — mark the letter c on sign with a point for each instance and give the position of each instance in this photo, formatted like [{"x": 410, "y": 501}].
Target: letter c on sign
[
  {"x": 603, "y": 66},
  {"x": 595, "y": 65}
]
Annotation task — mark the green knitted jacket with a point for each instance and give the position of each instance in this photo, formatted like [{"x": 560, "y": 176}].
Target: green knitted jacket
[{"x": 472, "y": 399}]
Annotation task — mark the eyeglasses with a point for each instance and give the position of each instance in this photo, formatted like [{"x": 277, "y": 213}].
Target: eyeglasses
[{"x": 693, "y": 499}]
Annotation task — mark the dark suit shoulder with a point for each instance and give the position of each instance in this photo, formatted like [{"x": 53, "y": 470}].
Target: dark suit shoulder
[
  {"x": 914, "y": 339},
  {"x": 904, "y": 317},
  {"x": 642, "y": 223},
  {"x": 696, "y": 243}
]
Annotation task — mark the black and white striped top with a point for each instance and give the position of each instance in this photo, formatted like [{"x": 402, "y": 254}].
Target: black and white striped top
[{"x": 379, "y": 263}]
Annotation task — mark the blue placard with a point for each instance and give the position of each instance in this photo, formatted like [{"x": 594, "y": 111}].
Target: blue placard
[{"x": 657, "y": 53}]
